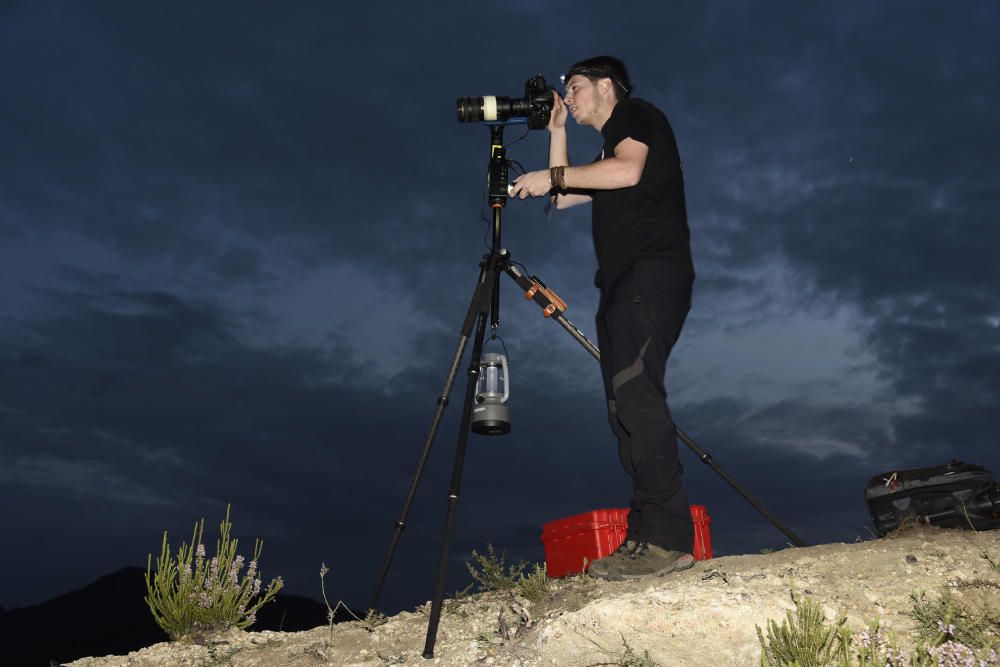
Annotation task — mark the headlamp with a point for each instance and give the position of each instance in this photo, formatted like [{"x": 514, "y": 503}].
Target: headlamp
[{"x": 593, "y": 72}]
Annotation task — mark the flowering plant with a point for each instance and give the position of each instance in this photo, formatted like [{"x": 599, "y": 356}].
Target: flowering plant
[{"x": 196, "y": 595}]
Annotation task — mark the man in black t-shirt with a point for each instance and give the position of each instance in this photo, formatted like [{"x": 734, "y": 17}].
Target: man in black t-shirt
[{"x": 645, "y": 275}]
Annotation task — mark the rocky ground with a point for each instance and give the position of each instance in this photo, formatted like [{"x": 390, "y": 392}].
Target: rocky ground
[{"x": 704, "y": 616}]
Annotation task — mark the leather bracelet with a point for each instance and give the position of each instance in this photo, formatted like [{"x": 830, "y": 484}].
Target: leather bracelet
[{"x": 557, "y": 177}]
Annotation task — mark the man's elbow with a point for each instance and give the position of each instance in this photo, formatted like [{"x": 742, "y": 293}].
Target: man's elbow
[
  {"x": 632, "y": 177},
  {"x": 632, "y": 174}
]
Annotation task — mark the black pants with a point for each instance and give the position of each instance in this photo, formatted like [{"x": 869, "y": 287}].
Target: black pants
[{"x": 638, "y": 322}]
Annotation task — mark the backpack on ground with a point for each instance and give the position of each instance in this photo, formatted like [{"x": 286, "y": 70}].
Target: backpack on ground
[{"x": 954, "y": 494}]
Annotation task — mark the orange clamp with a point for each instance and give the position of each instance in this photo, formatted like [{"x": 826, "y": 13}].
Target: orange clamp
[{"x": 555, "y": 303}]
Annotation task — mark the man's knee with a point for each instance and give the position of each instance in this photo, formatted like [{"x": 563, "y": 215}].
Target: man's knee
[{"x": 639, "y": 404}]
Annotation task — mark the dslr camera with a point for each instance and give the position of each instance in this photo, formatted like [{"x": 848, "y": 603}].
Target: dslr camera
[{"x": 535, "y": 107}]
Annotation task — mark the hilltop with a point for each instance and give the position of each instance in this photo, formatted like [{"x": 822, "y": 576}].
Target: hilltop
[{"x": 704, "y": 616}]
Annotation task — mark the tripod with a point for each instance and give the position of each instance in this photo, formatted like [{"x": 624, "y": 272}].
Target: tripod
[{"x": 486, "y": 303}]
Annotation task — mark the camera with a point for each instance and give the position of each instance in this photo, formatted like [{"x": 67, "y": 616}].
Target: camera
[{"x": 535, "y": 106}]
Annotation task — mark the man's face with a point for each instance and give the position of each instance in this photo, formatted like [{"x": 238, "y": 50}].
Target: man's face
[{"x": 582, "y": 99}]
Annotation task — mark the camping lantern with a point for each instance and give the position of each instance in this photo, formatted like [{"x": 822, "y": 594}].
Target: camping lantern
[{"x": 490, "y": 416}]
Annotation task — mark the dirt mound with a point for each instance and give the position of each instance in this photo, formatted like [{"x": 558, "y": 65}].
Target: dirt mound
[{"x": 703, "y": 616}]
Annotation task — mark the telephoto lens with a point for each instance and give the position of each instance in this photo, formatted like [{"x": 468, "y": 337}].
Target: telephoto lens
[{"x": 489, "y": 108}]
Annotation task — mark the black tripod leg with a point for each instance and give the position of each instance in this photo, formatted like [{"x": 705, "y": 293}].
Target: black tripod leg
[
  {"x": 490, "y": 305},
  {"x": 542, "y": 300},
  {"x": 456, "y": 482},
  {"x": 480, "y": 296},
  {"x": 707, "y": 459}
]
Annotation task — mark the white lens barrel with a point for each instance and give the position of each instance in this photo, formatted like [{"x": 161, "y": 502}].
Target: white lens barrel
[{"x": 489, "y": 107}]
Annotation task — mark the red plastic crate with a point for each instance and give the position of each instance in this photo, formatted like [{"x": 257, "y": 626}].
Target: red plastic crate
[{"x": 597, "y": 533}]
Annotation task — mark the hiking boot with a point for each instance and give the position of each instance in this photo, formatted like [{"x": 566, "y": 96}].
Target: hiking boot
[
  {"x": 602, "y": 566},
  {"x": 648, "y": 560}
]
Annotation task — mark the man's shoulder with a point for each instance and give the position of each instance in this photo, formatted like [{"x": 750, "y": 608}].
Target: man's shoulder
[
  {"x": 638, "y": 101},
  {"x": 636, "y": 118},
  {"x": 631, "y": 104},
  {"x": 647, "y": 108},
  {"x": 634, "y": 109}
]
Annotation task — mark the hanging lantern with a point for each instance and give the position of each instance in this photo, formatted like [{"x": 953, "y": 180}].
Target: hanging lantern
[{"x": 491, "y": 416}]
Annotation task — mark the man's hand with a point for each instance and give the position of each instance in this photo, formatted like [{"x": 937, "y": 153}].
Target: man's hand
[
  {"x": 532, "y": 184},
  {"x": 557, "y": 119},
  {"x": 537, "y": 183}
]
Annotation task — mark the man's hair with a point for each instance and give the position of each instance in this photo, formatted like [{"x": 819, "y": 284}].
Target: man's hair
[{"x": 603, "y": 67}]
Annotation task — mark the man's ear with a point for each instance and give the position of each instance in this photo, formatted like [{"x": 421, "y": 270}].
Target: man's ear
[{"x": 606, "y": 86}]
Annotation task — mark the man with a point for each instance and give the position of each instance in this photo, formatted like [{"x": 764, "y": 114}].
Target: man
[{"x": 645, "y": 275}]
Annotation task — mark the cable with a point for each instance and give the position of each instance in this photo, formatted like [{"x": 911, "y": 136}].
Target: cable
[
  {"x": 519, "y": 138},
  {"x": 522, "y": 267}
]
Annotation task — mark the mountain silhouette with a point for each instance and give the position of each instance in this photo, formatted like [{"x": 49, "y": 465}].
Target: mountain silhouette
[{"x": 110, "y": 617}]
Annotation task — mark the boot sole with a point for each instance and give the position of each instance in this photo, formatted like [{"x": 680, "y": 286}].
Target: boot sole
[
  {"x": 682, "y": 563},
  {"x": 609, "y": 562},
  {"x": 600, "y": 573}
]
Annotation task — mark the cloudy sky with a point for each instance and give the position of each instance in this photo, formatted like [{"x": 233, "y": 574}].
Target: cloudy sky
[{"x": 237, "y": 241}]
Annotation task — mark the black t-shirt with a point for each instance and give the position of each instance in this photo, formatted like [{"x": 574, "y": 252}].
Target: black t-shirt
[{"x": 650, "y": 218}]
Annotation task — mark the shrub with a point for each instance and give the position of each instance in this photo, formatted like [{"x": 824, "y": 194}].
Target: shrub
[
  {"x": 803, "y": 638},
  {"x": 875, "y": 648},
  {"x": 535, "y": 585},
  {"x": 194, "y": 595},
  {"x": 490, "y": 573}
]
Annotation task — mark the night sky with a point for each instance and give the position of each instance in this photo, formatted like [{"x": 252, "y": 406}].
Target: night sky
[{"x": 238, "y": 240}]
